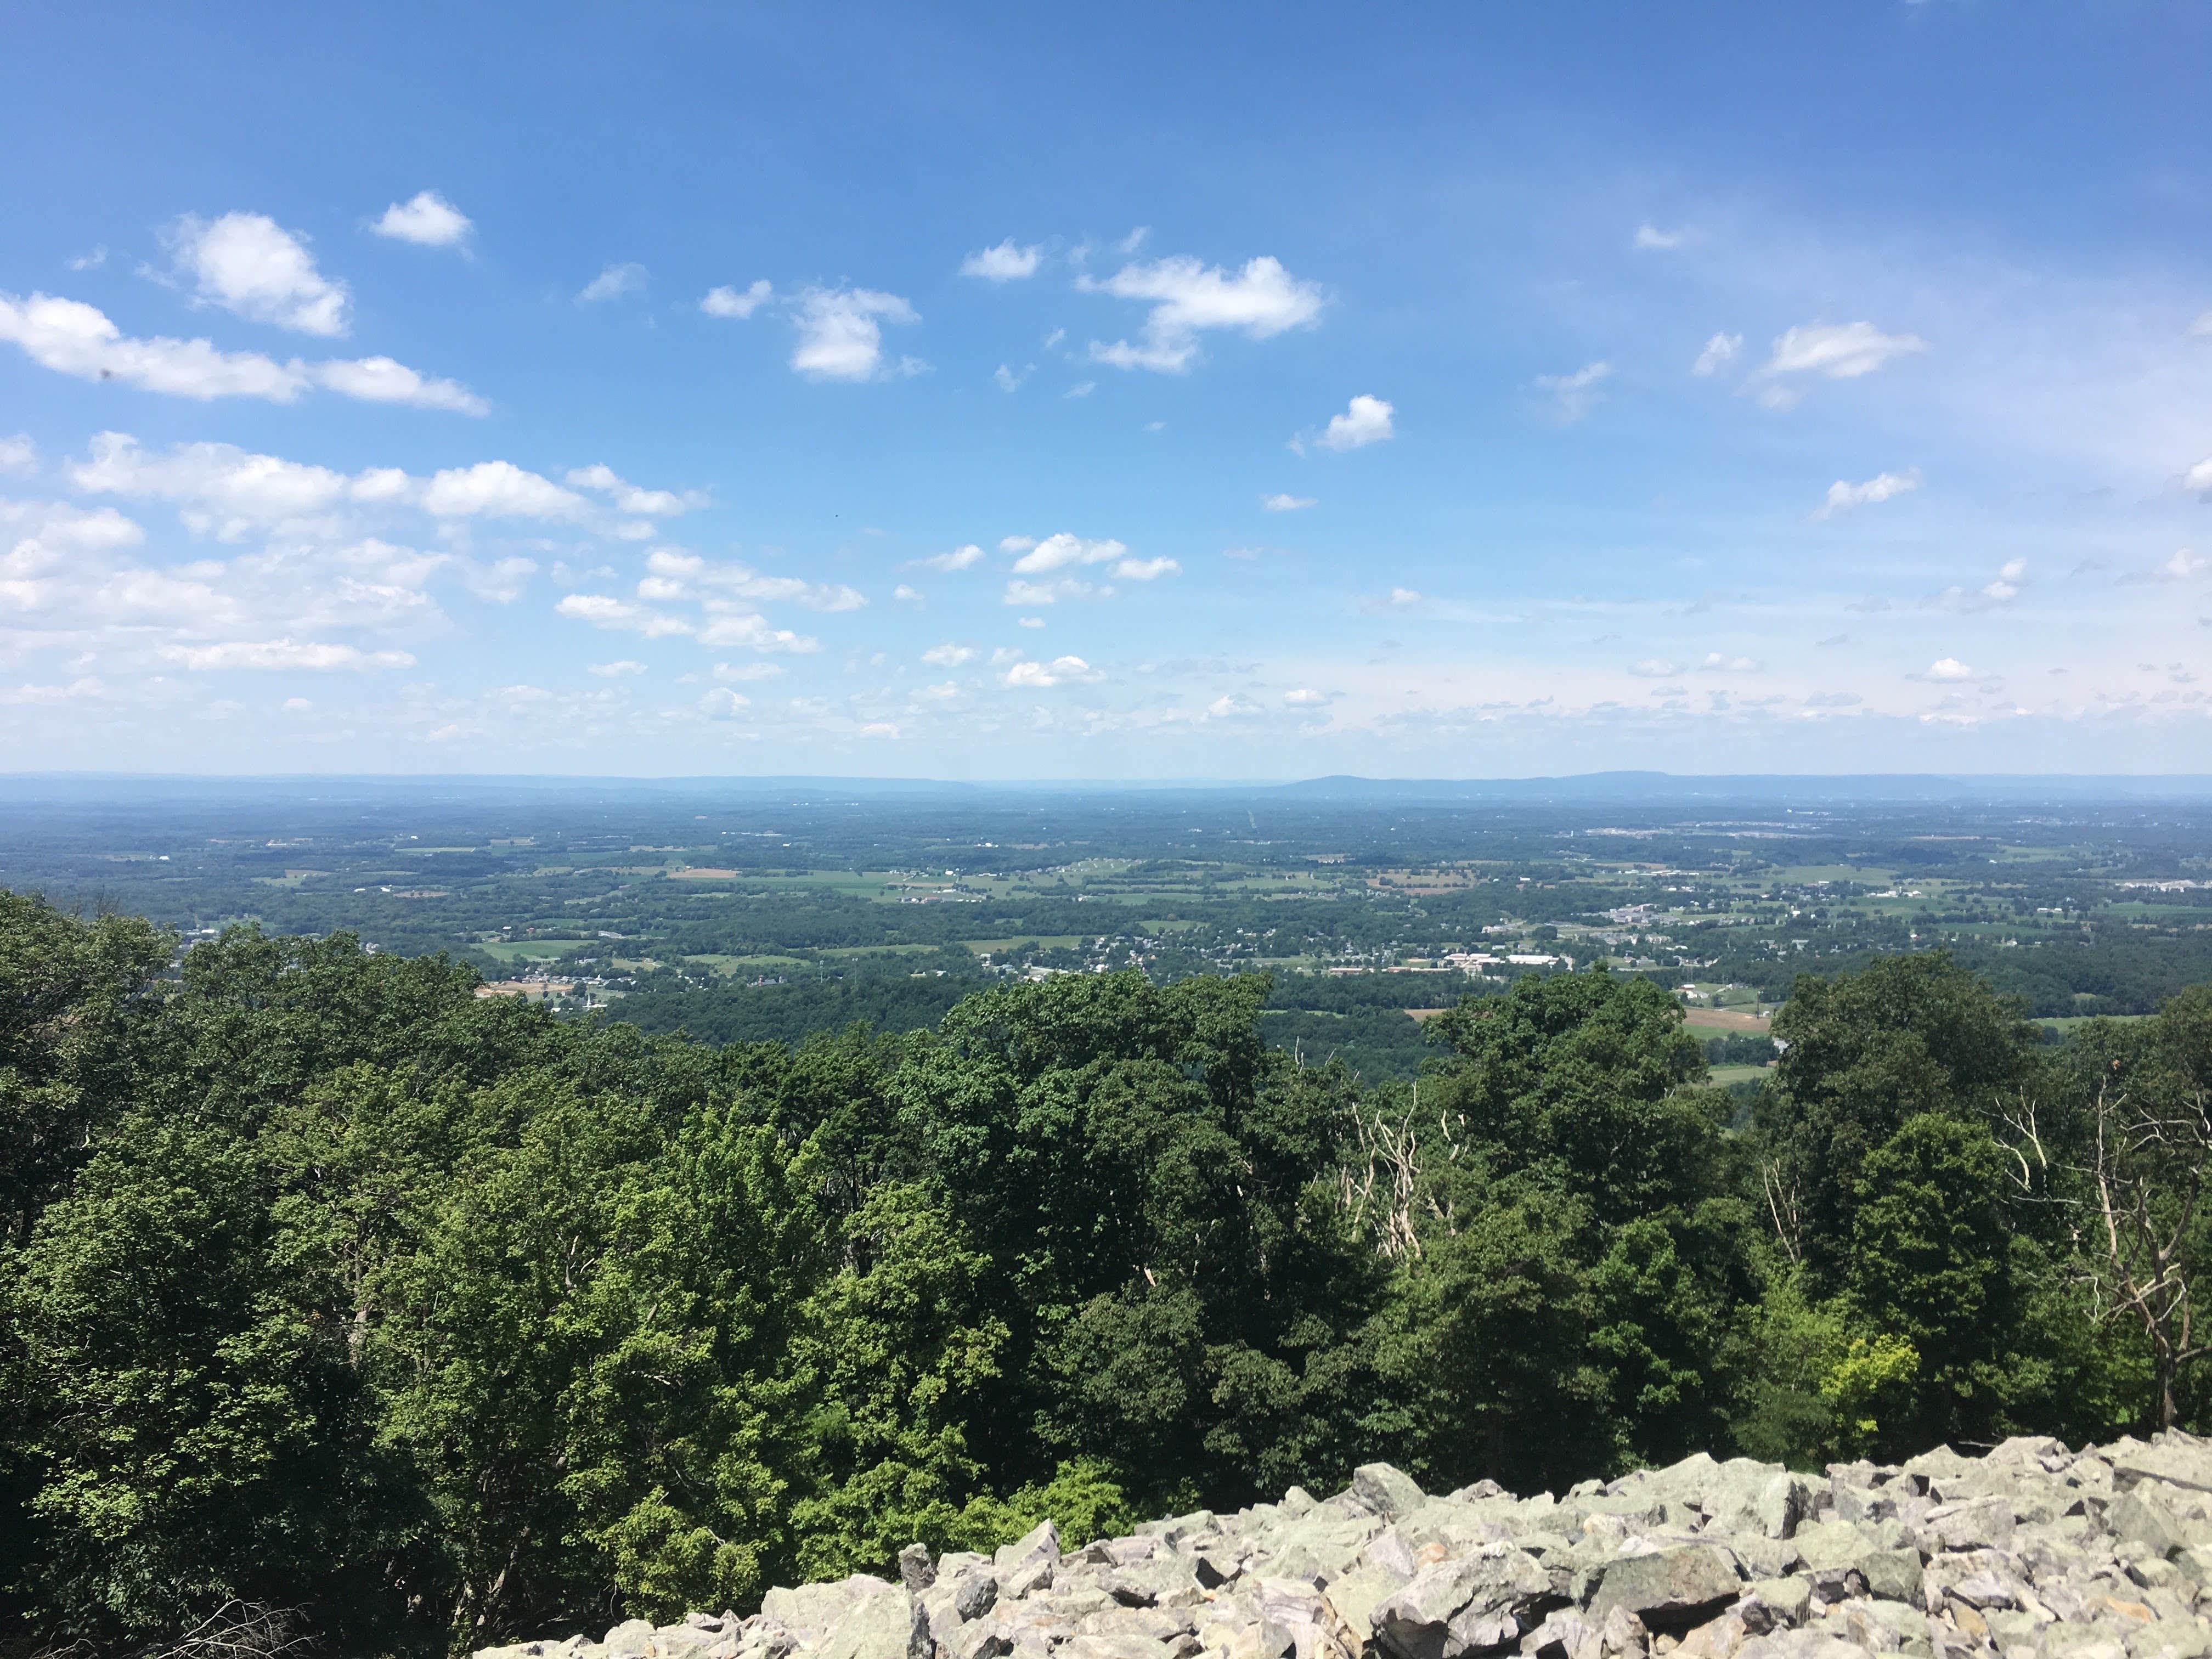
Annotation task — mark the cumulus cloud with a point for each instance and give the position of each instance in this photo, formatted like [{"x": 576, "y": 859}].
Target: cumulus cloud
[
  {"x": 426, "y": 219},
  {"x": 71, "y": 338},
  {"x": 958, "y": 559},
  {"x": 1843, "y": 495},
  {"x": 1020, "y": 591},
  {"x": 1720, "y": 351},
  {"x": 2198, "y": 478},
  {"x": 1146, "y": 570},
  {"x": 1059, "y": 670},
  {"x": 1717, "y": 663},
  {"x": 1007, "y": 380},
  {"x": 746, "y": 672},
  {"x": 1652, "y": 239},
  {"x": 1006, "y": 263},
  {"x": 496, "y": 489},
  {"x": 622, "y": 668},
  {"x": 1575, "y": 395},
  {"x": 224, "y": 491},
  {"x": 1366, "y": 420},
  {"x": 721, "y": 703},
  {"x": 1948, "y": 668},
  {"x": 1835, "y": 351},
  {"x": 1305, "y": 696},
  {"x": 731, "y": 302},
  {"x": 383, "y": 381},
  {"x": 269, "y": 654},
  {"x": 1261, "y": 301},
  {"x": 248, "y": 263},
  {"x": 949, "y": 655},
  {"x": 613, "y": 283},
  {"x": 841, "y": 335},
  {"x": 605, "y": 610},
  {"x": 19, "y": 456},
  {"x": 1060, "y": 552},
  {"x": 628, "y": 497},
  {"x": 1655, "y": 668},
  {"x": 673, "y": 573},
  {"x": 1282, "y": 502}
]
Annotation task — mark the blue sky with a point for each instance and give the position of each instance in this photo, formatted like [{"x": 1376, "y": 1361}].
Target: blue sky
[{"x": 1194, "y": 392}]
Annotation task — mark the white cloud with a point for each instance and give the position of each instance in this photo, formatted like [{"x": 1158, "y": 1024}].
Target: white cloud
[
  {"x": 673, "y": 574},
  {"x": 1059, "y": 670},
  {"x": 426, "y": 219},
  {"x": 2199, "y": 330},
  {"x": 612, "y": 284},
  {"x": 1009, "y": 381},
  {"x": 1029, "y": 622},
  {"x": 1282, "y": 502},
  {"x": 1305, "y": 697},
  {"x": 841, "y": 336},
  {"x": 98, "y": 257},
  {"x": 1366, "y": 420},
  {"x": 1261, "y": 301},
  {"x": 2181, "y": 566},
  {"x": 1655, "y": 668},
  {"x": 621, "y": 669},
  {"x": 497, "y": 489},
  {"x": 266, "y": 655},
  {"x": 958, "y": 559},
  {"x": 1575, "y": 395},
  {"x": 721, "y": 703},
  {"x": 629, "y": 497},
  {"x": 754, "y": 632},
  {"x": 295, "y": 706},
  {"x": 88, "y": 687},
  {"x": 727, "y": 301},
  {"x": 1720, "y": 351},
  {"x": 1081, "y": 389},
  {"x": 1022, "y": 592},
  {"x": 602, "y": 610},
  {"x": 906, "y": 595},
  {"x": 744, "y": 672},
  {"x": 1948, "y": 668},
  {"x": 1402, "y": 597},
  {"x": 71, "y": 338},
  {"x": 1651, "y": 237},
  {"x": 382, "y": 381},
  {"x": 224, "y": 491},
  {"x": 2198, "y": 478},
  {"x": 248, "y": 263},
  {"x": 1230, "y": 705},
  {"x": 1146, "y": 570},
  {"x": 1839, "y": 351},
  {"x": 948, "y": 655},
  {"x": 1883, "y": 486},
  {"x": 1715, "y": 663},
  {"x": 19, "y": 456},
  {"x": 1062, "y": 551},
  {"x": 1006, "y": 263}
]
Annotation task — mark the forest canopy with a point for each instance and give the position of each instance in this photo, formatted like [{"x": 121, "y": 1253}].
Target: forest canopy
[{"x": 327, "y": 1285}]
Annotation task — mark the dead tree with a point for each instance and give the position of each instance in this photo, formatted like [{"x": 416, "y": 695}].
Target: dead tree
[{"x": 2132, "y": 1209}]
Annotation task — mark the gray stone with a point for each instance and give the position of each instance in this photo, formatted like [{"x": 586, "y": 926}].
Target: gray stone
[
  {"x": 2141, "y": 1516},
  {"x": 1389, "y": 1492},
  {"x": 1676, "y": 1587},
  {"x": 629, "y": 1638},
  {"x": 975, "y": 1593}
]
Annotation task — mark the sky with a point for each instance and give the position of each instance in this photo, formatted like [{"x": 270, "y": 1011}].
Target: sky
[{"x": 1224, "y": 392}]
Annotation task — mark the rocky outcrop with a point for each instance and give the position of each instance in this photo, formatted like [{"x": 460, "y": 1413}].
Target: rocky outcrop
[{"x": 2031, "y": 1551}]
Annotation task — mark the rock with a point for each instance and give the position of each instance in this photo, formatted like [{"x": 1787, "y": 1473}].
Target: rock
[
  {"x": 916, "y": 1570},
  {"x": 889, "y": 1625},
  {"x": 2142, "y": 1517},
  {"x": 975, "y": 1593},
  {"x": 629, "y": 1638},
  {"x": 1671, "y": 1587},
  {"x": 1389, "y": 1492}
]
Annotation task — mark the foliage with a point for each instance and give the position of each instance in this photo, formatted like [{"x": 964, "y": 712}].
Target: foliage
[{"x": 327, "y": 1285}]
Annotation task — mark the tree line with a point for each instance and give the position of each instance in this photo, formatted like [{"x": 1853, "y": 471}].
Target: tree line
[{"x": 429, "y": 1320}]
